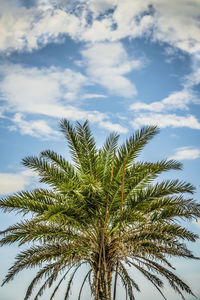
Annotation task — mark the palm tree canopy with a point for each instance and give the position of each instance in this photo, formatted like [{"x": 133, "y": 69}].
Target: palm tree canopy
[{"x": 104, "y": 210}]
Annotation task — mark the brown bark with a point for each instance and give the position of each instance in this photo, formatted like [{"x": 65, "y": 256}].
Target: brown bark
[
  {"x": 103, "y": 285},
  {"x": 103, "y": 276}
]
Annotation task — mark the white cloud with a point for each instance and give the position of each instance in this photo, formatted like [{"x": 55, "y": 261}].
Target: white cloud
[
  {"x": 28, "y": 29},
  {"x": 176, "y": 100},
  {"x": 24, "y": 87},
  {"x": 47, "y": 92},
  {"x": 36, "y": 128},
  {"x": 15, "y": 182},
  {"x": 107, "y": 64},
  {"x": 40, "y": 128},
  {"x": 113, "y": 127},
  {"x": 93, "y": 96},
  {"x": 194, "y": 77},
  {"x": 14, "y": 28},
  {"x": 173, "y": 22},
  {"x": 114, "y": 26},
  {"x": 165, "y": 120},
  {"x": 186, "y": 153},
  {"x": 100, "y": 6},
  {"x": 177, "y": 23}
]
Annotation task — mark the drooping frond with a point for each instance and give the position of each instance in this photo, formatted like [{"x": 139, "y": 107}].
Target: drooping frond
[
  {"x": 48, "y": 283},
  {"x": 27, "y": 231},
  {"x": 36, "y": 201},
  {"x": 35, "y": 256},
  {"x": 176, "y": 283},
  {"x": 82, "y": 285},
  {"x": 50, "y": 270},
  {"x": 128, "y": 282},
  {"x": 152, "y": 278},
  {"x": 70, "y": 281}
]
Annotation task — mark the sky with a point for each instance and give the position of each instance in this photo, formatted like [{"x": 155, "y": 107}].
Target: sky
[{"x": 120, "y": 64}]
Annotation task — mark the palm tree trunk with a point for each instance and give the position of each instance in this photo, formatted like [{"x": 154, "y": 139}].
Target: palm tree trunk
[
  {"x": 103, "y": 288},
  {"x": 103, "y": 276},
  {"x": 102, "y": 272}
]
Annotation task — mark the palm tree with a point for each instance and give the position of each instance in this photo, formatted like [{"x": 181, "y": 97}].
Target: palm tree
[{"x": 104, "y": 211}]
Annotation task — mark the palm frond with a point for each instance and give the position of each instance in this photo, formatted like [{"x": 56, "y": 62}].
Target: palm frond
[
  {"x": 61, "y": 280},
  {"x": 132, "y": 147},
  {"x": 36, "y": 201},
  {"x": 106, "y": 157},
  {"x": 152, "y": 280},
  {"x": 87, "y": 148},
  {"x": 48, "y": 172},
  {"x": 59, "y": 162},
  {"x": 82, "y": 285},
  {"x": 70, "y": 281},
  {"x": 27, "y": 231},
  {"x": 129, "y": 283},
  {"x": 48, "y": 270},
  {"x": 73, "y": 143}
]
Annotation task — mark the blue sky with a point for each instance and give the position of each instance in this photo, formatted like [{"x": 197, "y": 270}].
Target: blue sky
[{"x": 121, "y": 65}]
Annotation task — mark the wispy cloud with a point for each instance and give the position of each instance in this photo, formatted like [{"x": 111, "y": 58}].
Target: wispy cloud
[
  {"x": 113, "y": 127},
  {"x": 32, "y": 88},
  {"x": 14, "y": 182},
  {"x": 93, "y": 96},
  {"x": 165, "y": 120},
  {"x": 47, "y": 92},
  {"x": 107, "y": 64},
  {"x": 193, "y": 79},
  {"x": 177, "y": 23},
  {"x": 176, "y": 100},
  {"x": 35, "y": 128},
  {"x": 186, "y": 153}
]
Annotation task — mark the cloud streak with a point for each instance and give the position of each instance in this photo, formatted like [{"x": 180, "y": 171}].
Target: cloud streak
[
  {"x": 175, "y": 101},
  {"x": 113, "y": 127},
  {"x": 165, "y": 120},
  {"x": 186, "y": 153},
  {"x": 36, "y": 128}
]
